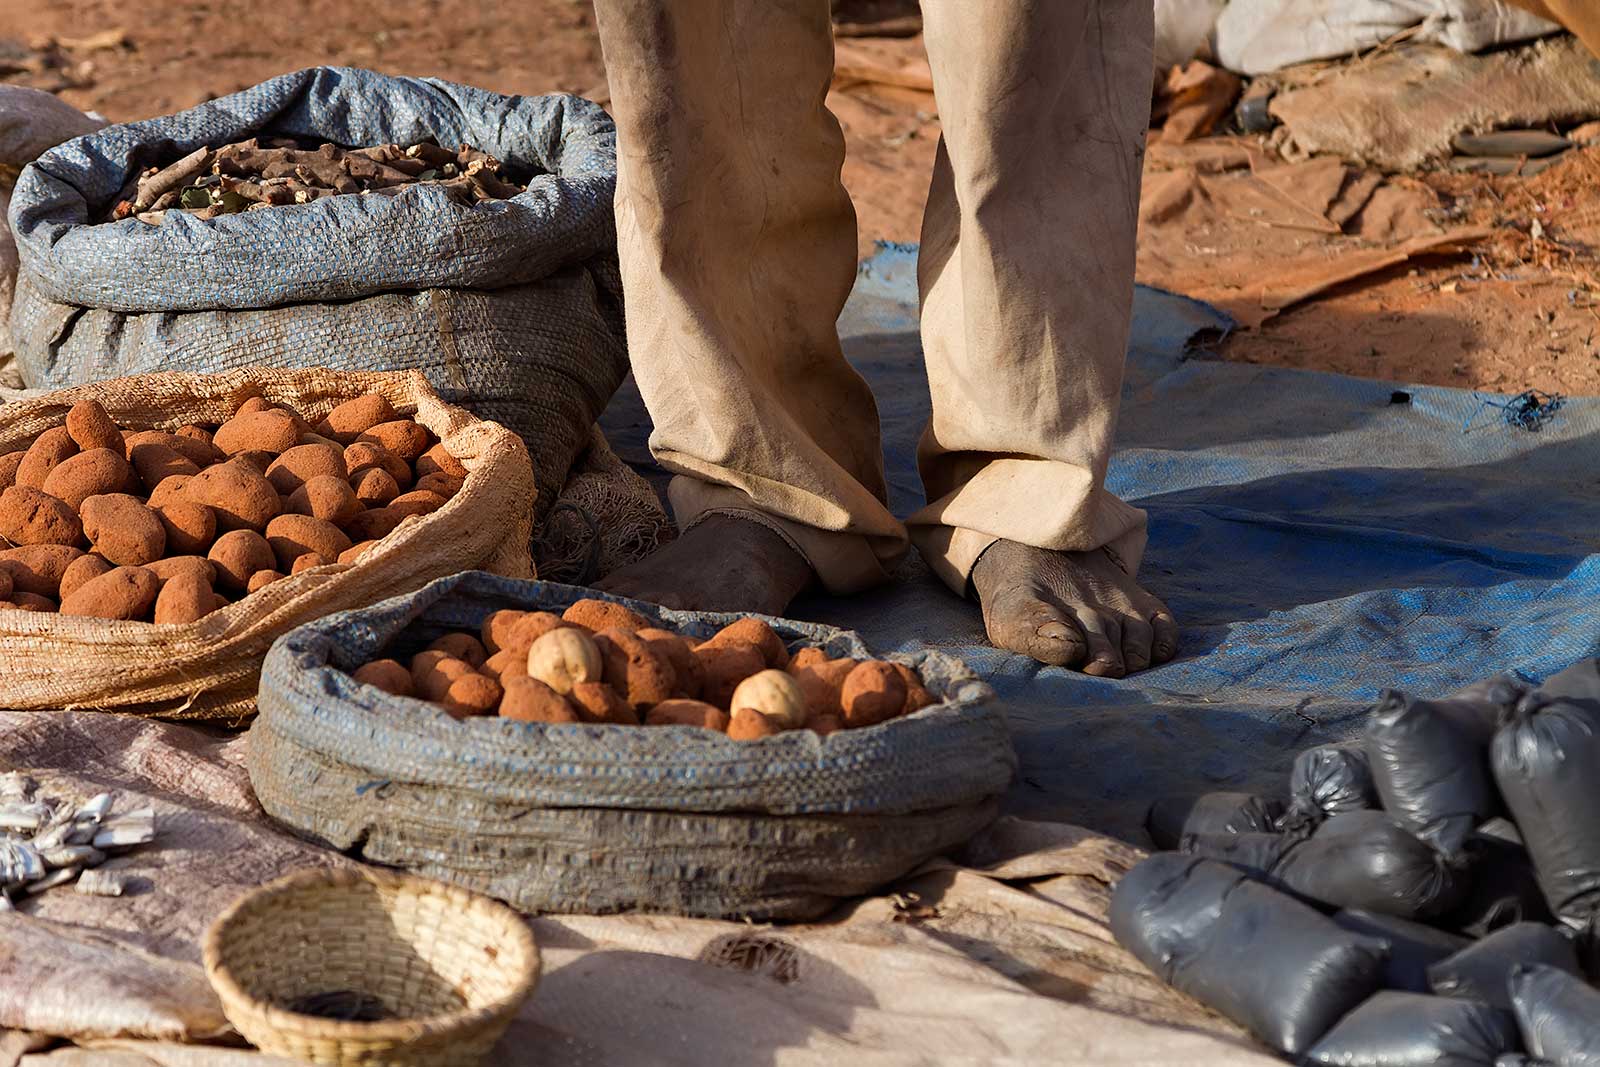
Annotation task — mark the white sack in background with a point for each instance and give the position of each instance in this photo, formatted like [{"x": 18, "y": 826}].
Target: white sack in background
[{"x": 1183, "y": 30}]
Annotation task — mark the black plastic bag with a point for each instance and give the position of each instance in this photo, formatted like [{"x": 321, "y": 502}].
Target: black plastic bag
[
  {"x": 1430, "y": 763},
  {"x": 1330, "y": 780},
  {"x": 1211, "y": 813},
  {"x": 1413, "y": 946},
  {"x": 1579, "y": 682},
  {"x": 1263, "y": 959},
  {"x": 1559, "y": 1015},
  {"x": 1482, "y": 971},
  {"x": 1360, "y": 859},
  {"x": 1415, "y": 1030},
  {"x": 1546, "y": 762},
  {"x": 1501, "y": 887}
]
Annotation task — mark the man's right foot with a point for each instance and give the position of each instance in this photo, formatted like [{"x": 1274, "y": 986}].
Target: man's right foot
[{"x": 724, "y": 563}]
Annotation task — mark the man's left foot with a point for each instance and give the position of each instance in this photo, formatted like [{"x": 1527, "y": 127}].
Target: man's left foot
[{"x": 1072, "y": 609}]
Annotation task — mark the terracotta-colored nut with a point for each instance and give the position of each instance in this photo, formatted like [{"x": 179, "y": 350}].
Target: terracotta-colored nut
[
  {"x": 404, "y": 437},
  {"x": 437, "y": 460},
  {"x": 34, "y": 517},
  {"x": 417, "y": 502},
  {"x": 822, "y": 683},
  {"x": 191, "y": 528},
  {"x": 5, "y": 583},
  {"x": 445, "y": 485},
  {"x": 292, "y": 536},
  {"x": 256, "y": 460},
  {"x": 506, "y": 664},
  {"x": 123, "y": 530},
  {"x": 199, "y": 451},
  {"x": 257, "y": 431},
  {"x": 917, "y": 695},
  {"x": 872, "y": 693},
  {"x": 521, "y": 634},
  {"x": 91, "y": 427},
  {"x": 600, "y": 615},
  {"x": 774, "y": 694},
  {"x": 48, "y": 451},
  {"x": 643, "y": 676},
  {"x": 597, "y": 702},
  {"x": 169, "y": 490},
  {"x": 688, "y": 713},
  {"x": 725, "y": 667},
  {"x": 8, "y": 468},
  {"x": 86, "y": 474},
  {"x": 79, "y": 571},
  {"x": 365, "y": 455},
  {"x": 124, "y": 593},
  {"x": 301, "y": 463},
  {"x": 432, "y": 673},
  {"x": 752, "y": 631},
  {"x": 240, "y": 495},
  {"x": 374, "y": 524},
  {"x": 237, "y": 555},
  {"x": 748, "y": 724},
  {"x": 355, "y": 417},
  {"x": 497, "y": 628},
  {"x": 462, "y": 646},
  {"x": 475, "y": 694},
  {"x": 184, "y": 599},
  {"x": 156, "y": 462},
  {"x": 356, "y": 551},
  {"x": 261, "y": 579},
  {"x": 385, "y": 674},
  {"x": 194, "y": 433},
  {"x": 252, "y": 405},
  {"x": 530, "y": 700},
  {"x": 564, "y": 658},
  {"x": 680, "y": 653},
  {"x": 824, "y": 725},
  {"x": 806, "y": 657},
  {"x": 374, "y": 487},
  {"x": 37, "y": 569},
  {"x": 307, "y": 561},
  {"x": 325, "y": 497},
  {"x": 172, "y": 567},
  {"x": 33, "y": 602}
]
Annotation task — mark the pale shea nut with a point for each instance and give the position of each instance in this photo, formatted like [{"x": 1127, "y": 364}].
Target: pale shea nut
[
  {"x": 775, "y": 695},
  {"x": 355, "y": 417},
  {"x": 91, "y": 426},
  {"x": 34, "y": 517},
  {"x": 125, "y": 593},
  {"x": 48, "y": 451},
  {"x": 386, "y": 674},
  {"x": 872, "y": 693},
  {"x": 237, "y": 555},
  {"x": 123, "y": 530},
  {"x": 530, "y": 700},
  {"x": 300, "y": 464},
  {"x": 563, "y": 658},
  {"x": 240, "y": 495},
  {"x": 327, "y": 498},
  {"x": 688, "y": 713},
  {"x": 94, "y": 473}
]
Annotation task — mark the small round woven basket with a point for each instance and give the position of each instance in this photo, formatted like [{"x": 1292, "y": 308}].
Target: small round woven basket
[{"x": 444, "y": 968}]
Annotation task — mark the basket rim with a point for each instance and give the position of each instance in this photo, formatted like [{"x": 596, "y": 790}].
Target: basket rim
[{"x": 397, "y": 1031}]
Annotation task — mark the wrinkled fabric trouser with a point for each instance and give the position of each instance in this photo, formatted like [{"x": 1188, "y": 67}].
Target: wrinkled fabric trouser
[
  {"x": 1580, "y": 17},
  {"x": 737, "y": 242}
]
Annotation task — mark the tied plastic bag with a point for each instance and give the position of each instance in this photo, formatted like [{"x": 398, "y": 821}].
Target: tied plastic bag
[
  {"x": 1413, "y": 946},
  {"x": 1430, "y": 763},
  {"x": 1501, "y": 886},
  {"x": 1360, "y": 859},
  {"x": 1212, "y": 813},
  {"x": 1546, "y": 761},
  {"x": 1263, "y": 959},
  {"x": 1579, "y": 682},
  {"x": 1482, "y": 971},
  {"x": 1330, "y": 780},
  {"x": 1559, "y": 1015},
  {"x": 1415, "y": 1030}
]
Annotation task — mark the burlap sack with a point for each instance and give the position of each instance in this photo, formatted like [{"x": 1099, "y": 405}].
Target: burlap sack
[{"x": 209, "y": 669}]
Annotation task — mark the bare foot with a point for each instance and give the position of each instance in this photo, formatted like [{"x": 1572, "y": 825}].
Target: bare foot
[
  {"x": 722, "y": 564},
  {"x": 1071, "y": 609}
]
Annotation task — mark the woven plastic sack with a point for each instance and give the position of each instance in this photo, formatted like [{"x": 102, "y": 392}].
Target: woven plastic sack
[
  {"x": 593, "y": 818},
  {"x": 511, "y": 308},
  {"x": 208, "y": 669}
]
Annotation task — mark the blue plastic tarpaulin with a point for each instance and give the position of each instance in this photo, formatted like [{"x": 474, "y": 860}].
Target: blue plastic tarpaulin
[{"x": 1320, "y": 538}]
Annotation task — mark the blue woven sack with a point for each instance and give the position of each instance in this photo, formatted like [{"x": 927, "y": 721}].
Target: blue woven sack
[
  {"x": 597, "y": 818},
  {"x": 511, "y": 308}
]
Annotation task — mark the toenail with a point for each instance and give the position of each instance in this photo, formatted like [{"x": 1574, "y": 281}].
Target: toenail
[{"x": 1055, "y": 631}]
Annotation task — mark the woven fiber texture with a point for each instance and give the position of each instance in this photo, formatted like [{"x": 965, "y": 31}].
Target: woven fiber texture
[
  {"x": 450, "y": 967},
  {"x": 511, "y": 308},
  {"x": 208, "y": 669},
  {"x": 606, "y": 518},
  {"x": 603, "y": 818}
]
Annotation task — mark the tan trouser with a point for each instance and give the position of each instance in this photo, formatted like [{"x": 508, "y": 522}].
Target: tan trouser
[
  {"x": 1580, "y": 17},
  {"x": 738, "y": 250}
]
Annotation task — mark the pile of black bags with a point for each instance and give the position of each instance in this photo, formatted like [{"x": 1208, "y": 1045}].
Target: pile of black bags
[{"x": 1428, "y": 895}]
